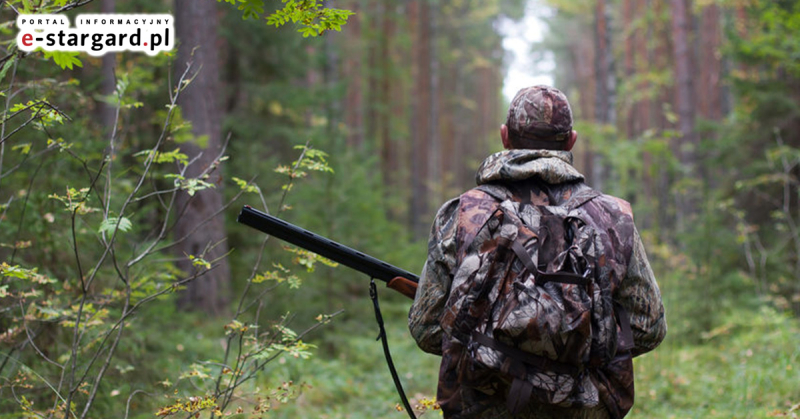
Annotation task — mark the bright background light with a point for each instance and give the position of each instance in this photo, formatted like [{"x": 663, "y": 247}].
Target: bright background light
[{"x": 518, "y": 38}]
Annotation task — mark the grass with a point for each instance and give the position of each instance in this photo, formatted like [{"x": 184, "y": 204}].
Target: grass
[
  {"x": 742, "y": 363},
  {"x": 746, "y": 366},
  {"x": 750, "y": 369}
]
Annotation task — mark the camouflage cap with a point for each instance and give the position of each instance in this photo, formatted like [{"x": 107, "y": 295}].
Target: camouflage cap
[{"x": 540, "y": 113}]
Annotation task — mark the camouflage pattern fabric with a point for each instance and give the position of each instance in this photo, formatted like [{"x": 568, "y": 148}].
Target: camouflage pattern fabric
[
  {"x": 545, "y": 178},
  {"x": 540, "y": 113}
]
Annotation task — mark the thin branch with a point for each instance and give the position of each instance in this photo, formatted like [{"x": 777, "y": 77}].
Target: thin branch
[
  {"x": 73, "y": 6},
  {"x": 44, "y": 380},
  {"x": 148, "y": 164},
  {"x": 30, "y": 339},
  {"x": 26, "y": 159},
  {"x": 85, "y": 283},
  {"x": 111, "y": 353},
  {"x": 130, "y": 398},
  {"x": 24, "y": 210},
  {"x": 31, "y": 119},
  {"x": 7, "y": 357},
  {"x": 110, "y": 155},
  {"x": 258, "y": 367},
  {"x": 5, "y": 112}
]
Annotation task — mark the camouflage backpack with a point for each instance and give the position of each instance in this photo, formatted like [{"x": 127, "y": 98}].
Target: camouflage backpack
[{"x": 529, "y": 319}]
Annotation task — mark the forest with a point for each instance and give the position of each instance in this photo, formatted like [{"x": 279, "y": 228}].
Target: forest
[{"x": 128, "y": 289}]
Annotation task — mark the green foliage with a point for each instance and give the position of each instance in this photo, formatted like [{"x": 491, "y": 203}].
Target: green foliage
[
  {"x": 111, "y": 224},
  {"x": 85, "y": 286},
  {"x": 771, "y": 43},
  {"x": 63, "y": 196},
  {"x": 174, "y": 156},
  {"x": 245, "y": 186},
  {"x": 312, "y": 17},
  {"x": 743, "y": 367},
  {"x": 64, "y": 59},
  {"x": 573, "y": 7},
  {"x": 308, "y": 259},
  {"x": 279, "y": 275}
]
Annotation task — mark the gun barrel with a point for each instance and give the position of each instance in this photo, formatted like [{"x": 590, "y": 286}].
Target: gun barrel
[{"x": 322, "y": 246}]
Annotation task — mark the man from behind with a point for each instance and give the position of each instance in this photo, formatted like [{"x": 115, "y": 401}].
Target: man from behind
[{"x": 536, "y": 169}]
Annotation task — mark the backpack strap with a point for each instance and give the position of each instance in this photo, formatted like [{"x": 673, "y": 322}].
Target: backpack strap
[
  {"x": 576, "y": 200},
  {"x": 626, "y": 334},
  {"x": 545, "y": 277},
  {"x": 498, "y": 192},
  {"x": 580, "y": 198},
  {"x": 519, "y": 393}
]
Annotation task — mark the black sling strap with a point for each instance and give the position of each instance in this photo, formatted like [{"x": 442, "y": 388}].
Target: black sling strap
[
  {"x": 373, "y": 294},
  {"x": 545, "y": 277}
]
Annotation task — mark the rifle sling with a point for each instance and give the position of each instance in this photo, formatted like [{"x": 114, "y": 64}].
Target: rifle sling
[{"x": 373, "y": 294}]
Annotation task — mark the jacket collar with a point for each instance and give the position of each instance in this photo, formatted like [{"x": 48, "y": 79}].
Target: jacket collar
[{"x": 551, "y": 166}]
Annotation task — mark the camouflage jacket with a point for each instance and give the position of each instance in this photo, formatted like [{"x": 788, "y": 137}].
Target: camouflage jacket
[{"x": 549, "y": 178}]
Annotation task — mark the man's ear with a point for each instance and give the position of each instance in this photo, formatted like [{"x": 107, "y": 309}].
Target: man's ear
[
  {"x": 573, "y": 136},
  {"x": 504, "y": 137}
]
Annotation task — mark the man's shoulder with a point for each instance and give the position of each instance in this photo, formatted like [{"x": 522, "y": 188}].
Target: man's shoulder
[
  {"x": 469, "y": 201},
  {"x": 614, "y": 217},
  {"x": 616, "y": 205}
]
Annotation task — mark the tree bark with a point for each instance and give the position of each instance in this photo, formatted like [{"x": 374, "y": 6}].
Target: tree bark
[
  {"x": 108, "y": 86},
  {"x": 387, "y": 147},
  {"x": 630, "y": 107},
  {"x": 375, "y": 59},
  {"x": 419, "y": 14},
  {"x": 605, "y": 99},
  {"x": 710, "y": 94},
  {"x": 353, "y": 102},
  {"x": 433, "y": 139},
  {"x": 196, "y": 25},
  {"x": 685, "y": 103}
]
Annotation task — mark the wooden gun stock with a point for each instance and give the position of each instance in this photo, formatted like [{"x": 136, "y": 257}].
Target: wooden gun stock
[{"x": 404, "y": 286}]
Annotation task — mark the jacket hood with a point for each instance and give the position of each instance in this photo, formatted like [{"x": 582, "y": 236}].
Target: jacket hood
[{"x": 551, "y": 166}]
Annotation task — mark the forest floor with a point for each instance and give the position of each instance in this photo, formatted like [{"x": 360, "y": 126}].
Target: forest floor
[
  {"x": 748, "y": 370},
  {"x": 749, "y": 367}
]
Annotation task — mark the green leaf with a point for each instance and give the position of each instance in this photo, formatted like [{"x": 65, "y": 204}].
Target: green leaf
[
  {"x": 6, "y": 66},
  {"x": 24, "y": 148},
  {"x": 164, "y": 156},
  {"x": 110, "y": 224},
  {"x": 245, "y": 186},
  {"x": 65, "y": 59},
  {"x": 251, "y": 8},
  {"x": 199, "y": 262}
]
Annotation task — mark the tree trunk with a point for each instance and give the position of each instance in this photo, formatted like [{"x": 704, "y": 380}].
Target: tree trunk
[
  {"x": 710, "y": 96},
  {"x": 433, "y": 140},
  {"x": 387, "y": 142},
  {"x": 582, "y": 55},
  {"x": 375, "y": 58},
  {"x": 419, "y": 14},
  {"x": 196, "y": 26},
  {"x": 630, "y": 107},
  {"x": 685, "y": 104},
  {"x": 605, "y": 99},
  {"x": 108, "y": 86},
  {"x": 401, "y": 94},
  {"x": 353, "y": 108},
  {"x": 646, "y": 109}
]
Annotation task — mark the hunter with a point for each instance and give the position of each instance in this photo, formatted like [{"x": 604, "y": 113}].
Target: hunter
[{"x": 536, "y": 167}]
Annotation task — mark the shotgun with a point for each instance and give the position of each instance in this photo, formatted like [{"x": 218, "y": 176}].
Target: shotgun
[{"x": 397, "y": 279}]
